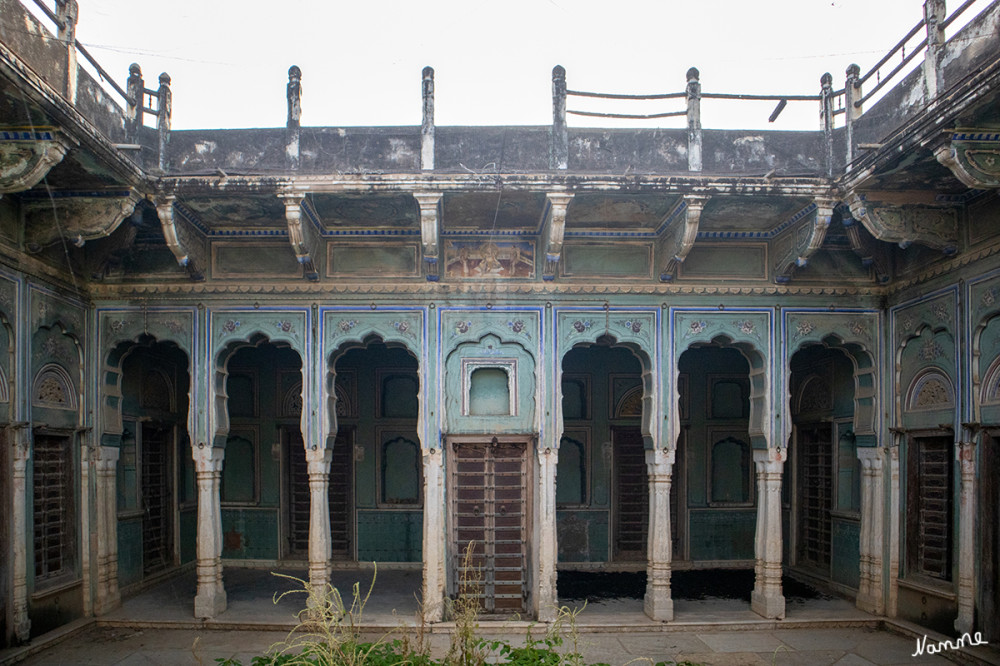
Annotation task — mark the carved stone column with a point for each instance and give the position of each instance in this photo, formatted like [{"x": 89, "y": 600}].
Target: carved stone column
[
  {"x": 108, "y": 596},
  {"x": 767, "y": 599},
  {"x": 658, "y": 604},
  {"x": 870, "y": 543},
  {"x": 210, "y": 599},
  {"x": 22, "y": 451},
  {"x": 320, "y": 549},
  {"x": 546, "y": 602},
  {"x": 893, "y": 530},
  {"x": 967, "y": 538},
  {"x": 434, "y": 535}
]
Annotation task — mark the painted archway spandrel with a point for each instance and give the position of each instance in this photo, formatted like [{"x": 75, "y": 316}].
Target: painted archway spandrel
[
  {"x": 277, "y": 326},
  {"x": 404, "y": 327},
  {"x": 47, "y": 309},
  {"x": 8, "y": 297},
  {"x": 700, "y": 327},
  {"x": 120, "y": 326},
  {"x": 520, "y": 326},
  {"x": 985, "y": 299},
  {"x": 812, "y": 327},
  {"x": 636, "y": 327},
  {"x": 937, "y": 313}
]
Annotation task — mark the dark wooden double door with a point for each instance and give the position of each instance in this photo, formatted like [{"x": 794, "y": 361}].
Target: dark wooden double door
[{"x": 490, "y": 522}]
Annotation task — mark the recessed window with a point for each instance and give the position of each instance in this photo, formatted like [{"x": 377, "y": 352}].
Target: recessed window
[
  {"x": 239, "y": 470},
  {"x": 489, "y": 392},
  {"x": 731, "y": 471},
  {"x": 571, "y": 472},
  {"x": 400, "y": 472},
  {"x": 53, "y": 514}
]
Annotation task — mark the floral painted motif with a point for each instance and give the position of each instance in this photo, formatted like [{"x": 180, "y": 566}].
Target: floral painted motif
[
  {"x": 804, "y": 328},
  {"x": 857, "y": 327},
  {"x": 346, "y": 325},
  {"x": 931, "y": 350},
  {"x": 631, "y": 324},
  {"x": 403, "y": 327},
  {"x": 50, "y": 348},
  {"x": 696, "y": 328},
  {"x": 116, "y": 325},
  {"x": 989, "y": 297},
  {"x": 230, "y": 326},
  {"x": 745, "y": 325},
  {"x": 463, "y": 326},
  {"x": 940, "y": 312},
  {"x": 516, "y": 326},
  {"x": 285, "y": 326},
  {"x": 582, "y": 325},
  {"x": 174, "y": 326}
]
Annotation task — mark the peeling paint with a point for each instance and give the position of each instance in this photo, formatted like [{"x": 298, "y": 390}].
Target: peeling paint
[
  {"x": 401, "y": 152},
  {"x": 203, "y": 147}
]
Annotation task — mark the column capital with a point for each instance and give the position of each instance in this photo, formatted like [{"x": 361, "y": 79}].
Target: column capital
[{"x": 871, "y": 458}]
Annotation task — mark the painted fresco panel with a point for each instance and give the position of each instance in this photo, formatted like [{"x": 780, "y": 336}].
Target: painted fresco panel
[
  {"x": 722, "y": 535},
  {"x": 404, "y": 326},
  {"x": 261, "y": 259},
  {"x": 277, "y": 325},
  {"x": 490, "y": 259},
  {"x": 846, "y": 553}
]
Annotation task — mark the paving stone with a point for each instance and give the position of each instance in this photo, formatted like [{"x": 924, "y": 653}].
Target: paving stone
[{"x": 741, "y": 641}]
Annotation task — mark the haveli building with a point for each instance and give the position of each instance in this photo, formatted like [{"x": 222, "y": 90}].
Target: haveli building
[{"x": 609, "y": 349}]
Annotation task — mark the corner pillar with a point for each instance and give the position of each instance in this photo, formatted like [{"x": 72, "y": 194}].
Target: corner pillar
[
  {"x": 434, "y": 535},
  {"x": 767, "y": 599},
  {"x": 658, "y": 603},
  {"x": 19, "y": 509},
  {"x": 320, "y": 549},
  {"x": 108, "y": 596},
  {"x": 966, "y": 538},
  {"x": 546, "y": 602},
  {"x": 210, "y": 599},
  {"x": 870, "y": 543},
  {"x": 893, "y": 530}
]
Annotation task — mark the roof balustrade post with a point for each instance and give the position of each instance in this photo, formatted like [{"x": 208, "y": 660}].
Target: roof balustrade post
[
  {"x": 427, "y": 122},
  {"x": 559, "y": 149},
  {"x": 694, "y": 119}
]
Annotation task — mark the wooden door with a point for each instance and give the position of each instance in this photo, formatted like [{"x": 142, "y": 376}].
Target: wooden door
[
  {"x": 631, "y": 487},
  {"x": 490, "y": 523}
]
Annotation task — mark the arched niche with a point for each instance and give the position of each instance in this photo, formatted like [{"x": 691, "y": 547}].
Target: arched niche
[
  {"x": 986, "y": 371},
  {"x": 7, "y": 367},
  {"x": 111, "y": 394},
  {"x": 929, "y": 390},
  {"x": 508, "y": 366},
  {"x": 634, "y": 330},
  {"x": 219, "y": 386},
  {"x": 341, "y": 402},
  {"x": 344, "y": 330},
  {"x": 926, "y": 351},
  {"x": 759, "y": 395},
  {"x": 57, "y": 357},
  {"x": 866, "y": 385}
]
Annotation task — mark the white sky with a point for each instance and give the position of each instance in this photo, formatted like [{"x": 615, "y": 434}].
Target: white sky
[{"x": 362, "y": 60}]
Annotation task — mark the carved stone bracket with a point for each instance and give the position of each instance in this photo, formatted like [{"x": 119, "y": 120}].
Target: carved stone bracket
[
  {"x": 430, "y": 231},
  {"x": 933, "y": 226},
  {"x": 75, "y": 217},
  {"x": 872, "y": 253},
  {"x": 553, "y": 231},
  {"x": 302, "y": 235},
  {"x": 807, "y": 237},
  {"x": 678, "y": 238},
  {"x": 973, "y": 156},
  {"x": 181, "y": 238},
  {"x": 27, "y": 156}
]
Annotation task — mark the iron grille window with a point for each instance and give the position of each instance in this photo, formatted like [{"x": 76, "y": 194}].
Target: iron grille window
[
  {"x": 929, "y": 521},
  {"x": 53, "y": 507}
]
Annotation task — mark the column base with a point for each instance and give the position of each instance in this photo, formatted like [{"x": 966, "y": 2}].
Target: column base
[
  {"x": 870, "y": 603},
  {"x": 659, "y": 606},
  {"x": 771, "y": 607},
  {"x": 22, "y": 630},
  {"x": 209, "y": 604}
]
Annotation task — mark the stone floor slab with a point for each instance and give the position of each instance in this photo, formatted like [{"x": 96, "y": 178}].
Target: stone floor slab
[{"x": 741, "y": 641}]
